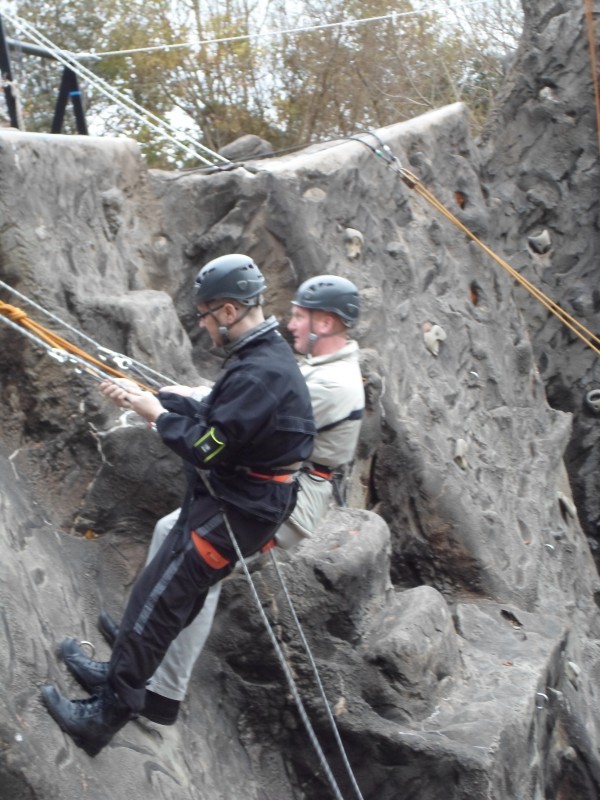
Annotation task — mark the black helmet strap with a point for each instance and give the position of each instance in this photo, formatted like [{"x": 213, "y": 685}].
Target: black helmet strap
[{"x": 224, "y": 329}]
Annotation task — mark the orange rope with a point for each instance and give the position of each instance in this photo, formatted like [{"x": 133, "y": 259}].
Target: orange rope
[
  {"x": 578, "y": 329},
  {"x": 593, "y": 62},
  {"x": 21, "y": 318}
]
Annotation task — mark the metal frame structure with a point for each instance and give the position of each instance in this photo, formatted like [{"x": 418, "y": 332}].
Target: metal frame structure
[{"x": 68, "y": 90}]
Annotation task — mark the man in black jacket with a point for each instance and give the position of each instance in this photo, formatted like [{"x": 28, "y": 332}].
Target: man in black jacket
[{"x": 242, "y": 446}]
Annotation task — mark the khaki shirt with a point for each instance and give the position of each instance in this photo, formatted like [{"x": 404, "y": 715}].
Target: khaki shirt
[{"x": 336, "y": 390}]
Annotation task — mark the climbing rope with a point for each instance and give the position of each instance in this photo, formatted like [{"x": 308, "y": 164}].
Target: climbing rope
[
  {"x": 287, "y": 671},
  {"x": 393, "y": 17},
  {"x": 589, "y": 18},
  {"x": 311, "y": 659},
  {"x": 58, "y": 355},
  {"x": 65, "y": 352},
  {"x": 123, "y": 362},
  {"x": 384, "y": 152},
  {"x": 278, "y": 651}
]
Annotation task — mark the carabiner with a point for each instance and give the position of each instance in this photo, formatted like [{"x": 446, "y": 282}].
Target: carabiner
[{"x": 58, "y": 355}]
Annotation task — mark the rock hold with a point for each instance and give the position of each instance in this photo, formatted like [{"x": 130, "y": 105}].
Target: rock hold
[
  {"x": 541, "y": 242},
  {"x": 353, "y": 243},
  {"x": 433, "y": 336}
]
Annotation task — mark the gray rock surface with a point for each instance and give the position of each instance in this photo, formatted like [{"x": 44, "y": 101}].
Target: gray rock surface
[
  {"x": 540, "y": 164},
  {"x": 245, "y": 147},
  {"x": 452, "y": 609}
]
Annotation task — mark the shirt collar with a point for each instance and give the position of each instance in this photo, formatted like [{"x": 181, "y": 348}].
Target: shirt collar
[
  {"x": 347, "y": 350},
  {"x": 269, "y": 324}
]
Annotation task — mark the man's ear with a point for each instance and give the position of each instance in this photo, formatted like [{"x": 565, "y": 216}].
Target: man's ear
[
  {"x": 330, "y": 322},
  {"x": 231, "y": 311}
]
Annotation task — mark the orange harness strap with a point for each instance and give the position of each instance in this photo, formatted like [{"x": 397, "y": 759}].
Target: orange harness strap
[
  {"x": 209, "y": 553},
  {"x": 320, "y": 474},
  {"x": 212, "y": 556},
  {"x": 276, "y": 478}
]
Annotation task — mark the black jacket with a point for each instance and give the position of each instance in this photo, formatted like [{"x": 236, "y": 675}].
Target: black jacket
[{"x": 258, "y": 416}]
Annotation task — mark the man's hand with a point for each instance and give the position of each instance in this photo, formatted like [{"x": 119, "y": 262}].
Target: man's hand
[
  {"x": 127, "y": 394},
  {"x": 119, "y": 391}
]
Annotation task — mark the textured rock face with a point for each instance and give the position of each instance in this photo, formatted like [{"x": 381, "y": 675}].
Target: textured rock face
[
  {"x": 541, "y": 166},
  {"x": 452, "y": 610}
]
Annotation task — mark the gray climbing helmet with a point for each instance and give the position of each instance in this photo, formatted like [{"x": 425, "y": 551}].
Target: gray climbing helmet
[
  {"x": 330, "y": 293},
  {"x": 235, "y": 277}
]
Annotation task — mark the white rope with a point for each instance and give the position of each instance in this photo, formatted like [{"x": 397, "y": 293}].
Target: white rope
[
  {"x": 281, "y": 658},
  {"x": 61, "y": 356},
  {"x": 309, "y": 654},
  {"x": 147, "y": 118},
  {"x": 351, "y": 23},
  {"x": 284, "y": 665},
  {"x": 123, "y": 362}
]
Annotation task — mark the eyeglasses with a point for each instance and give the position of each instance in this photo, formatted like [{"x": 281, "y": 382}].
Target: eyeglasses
[{"x": 201, "y": 314}]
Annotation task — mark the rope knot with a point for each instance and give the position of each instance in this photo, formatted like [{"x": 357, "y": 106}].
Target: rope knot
[{"x": 12, "y": 312}]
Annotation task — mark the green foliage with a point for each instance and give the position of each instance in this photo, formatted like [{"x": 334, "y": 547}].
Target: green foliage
[{"x": 291, "y": 89}]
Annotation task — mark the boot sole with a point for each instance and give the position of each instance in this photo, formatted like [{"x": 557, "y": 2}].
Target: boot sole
[{"x": 91, "y": 750}]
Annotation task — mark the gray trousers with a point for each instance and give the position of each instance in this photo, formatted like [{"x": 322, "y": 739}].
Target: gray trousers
[{"x": 172, "y": 677}]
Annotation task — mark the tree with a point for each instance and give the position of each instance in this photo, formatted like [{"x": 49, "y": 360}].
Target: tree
[{"x": 293, "y": 88}]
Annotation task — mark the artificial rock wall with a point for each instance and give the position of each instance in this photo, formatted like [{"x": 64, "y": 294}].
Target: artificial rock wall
[{"x": 452, "y": 609}]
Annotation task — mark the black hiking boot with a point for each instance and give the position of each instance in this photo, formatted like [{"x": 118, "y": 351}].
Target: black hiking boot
[
  {"x": 108, "y": 627},
  {"x": 90, "y": 674},
  {"x": 93, "y": 675},
  {"x": 92, "y": 722}
]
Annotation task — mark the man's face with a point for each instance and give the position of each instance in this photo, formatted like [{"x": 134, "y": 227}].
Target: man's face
[
  {"x": 299, "y": 327},
  {"x": 208, "y": 319}
]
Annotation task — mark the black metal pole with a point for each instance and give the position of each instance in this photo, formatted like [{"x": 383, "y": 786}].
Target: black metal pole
[
  {"x": 61, "y": 103},
  {"x": 28, "y": 49},
  {"x": 69, "y": 89},
  {"x": 77, "y": 100},
  {"x": 7, "y": 80}
]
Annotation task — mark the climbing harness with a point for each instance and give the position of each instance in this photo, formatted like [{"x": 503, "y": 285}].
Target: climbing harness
[
  {"x": 384, "y": 152},
  {"x": 283, "y": 662},
  {"x": 318, "y": 470},
  {"x": 65, "y": 352}
]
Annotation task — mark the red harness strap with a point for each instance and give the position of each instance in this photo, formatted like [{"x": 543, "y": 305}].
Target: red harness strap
[
  {"x": 282, "y": 477},
  {"x": 212, "y": 556},
  {"x": 276, "y": 477},
  {"x": 321, "y": 471}
]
